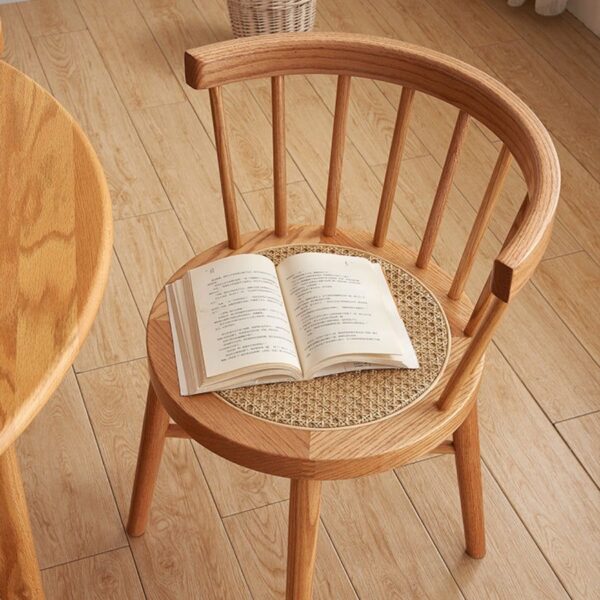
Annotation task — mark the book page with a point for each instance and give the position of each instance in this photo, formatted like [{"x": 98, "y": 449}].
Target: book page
[
  {"x": 341, "y": 305},
  {"x": 242, "y": 320}
]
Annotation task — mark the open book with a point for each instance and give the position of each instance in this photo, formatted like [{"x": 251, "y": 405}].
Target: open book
[{"x": 242, "y": 321}]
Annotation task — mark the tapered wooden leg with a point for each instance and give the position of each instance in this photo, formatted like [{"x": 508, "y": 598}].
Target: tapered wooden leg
[
  {"x": 19, "y": 570},
  {"x": 468, "y": 468},
  {"x": 303, "y": 529},
  {"x": 152, "y": 443}
]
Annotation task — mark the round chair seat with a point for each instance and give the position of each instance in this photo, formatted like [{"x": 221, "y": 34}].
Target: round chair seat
[{"x": 339, "y": 426}]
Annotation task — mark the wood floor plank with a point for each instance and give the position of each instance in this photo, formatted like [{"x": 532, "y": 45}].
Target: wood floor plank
[
  {"x": 556, "y": 500},
  {"x": 179, "y": 25},
  {"x": 144, "y": 79},
  {"x": 303, "y": 205},
  {"x": 513, "y": 566},
  {"x": 186, "y": 162},
  {"x": 45, "y": 17},
  {"x": 72, "y": 510},
  {"x": 18, "y": 48},
  {"x": 412, "y": 21},
  {"x": 550, "y": 96},
  {"x": 382, "y": 543},
  {"x": 476, "y": 22},
  {"x": 118, "y": 332},
  {"x": 109, "y": 575},
  {"x": 260, "y": 540},
  {"x": 557, "y": 370},
  {"x": 578, "y": 208},
  {"x": 80, "y": 82},
  {"x": 309, "y": 143},
  {"x": 150, "y": 248},
  {"x": 185, "y": 552},
  {"x": 571, "y": 284},
  {"x": 573, "y": 56},
  {"x": 236, "y": 489},
  {"x": 583, "y": 436}
]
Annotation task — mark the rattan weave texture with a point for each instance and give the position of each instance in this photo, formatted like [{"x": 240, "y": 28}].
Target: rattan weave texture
[{"x": 357, "y": 398}]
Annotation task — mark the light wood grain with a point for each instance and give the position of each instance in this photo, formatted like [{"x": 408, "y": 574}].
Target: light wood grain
[
  {"x": 110, "y": 575},
  {"x": 574, "y": 56},
  {"x": 185, "y": 552},
  {"x": 583, "y": 436},
  {"x": 548, "y": 488},
  {"x": 477, "y": 22},
  {"x": 144, "y": 79},
  {"x": 260, "y": 540},
  {"x": 303, "y": 205},
  {"x": 513, "y": 566},
  {"x": 150, "y": 248},
  {"x": 237, "y": 489},
  {"x": 118, "y": 333},
  {"x": 185, "y": 160},
  {"x": 79, "y": 80},
  {"x": 580, "y": 275},
  {"x": 561, "y": 375},
  {"x": 46, "y": 17},
  {"x": 18, "y": 49},
  {"x": 578, "y": 210},
  {"x": 371, "y": 521},
  {"x": 549, "y": 94},
  {"x": 60, "y": 459},
  {"x": 179, "y": 25}
]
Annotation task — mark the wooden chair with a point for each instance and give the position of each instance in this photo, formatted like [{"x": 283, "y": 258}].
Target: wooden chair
[{"x": 448, "y": 409}]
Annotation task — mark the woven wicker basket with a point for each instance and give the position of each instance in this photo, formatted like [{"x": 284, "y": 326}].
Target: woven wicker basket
[{"x": 256, "y": 17}]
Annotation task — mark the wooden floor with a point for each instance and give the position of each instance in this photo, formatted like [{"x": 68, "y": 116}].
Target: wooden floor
[{"x": 218, "y": 531}]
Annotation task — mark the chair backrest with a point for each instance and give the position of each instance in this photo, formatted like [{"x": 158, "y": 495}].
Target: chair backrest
[{"x": 476, "y": 95}]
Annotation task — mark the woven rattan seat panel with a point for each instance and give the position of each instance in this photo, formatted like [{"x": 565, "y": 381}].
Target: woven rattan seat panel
[{"x": 360, "y": 397}]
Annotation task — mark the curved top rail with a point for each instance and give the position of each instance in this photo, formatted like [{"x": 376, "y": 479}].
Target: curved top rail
[
  {"x": 55, "y": 246},
  {"x": 433, "y": 73}
]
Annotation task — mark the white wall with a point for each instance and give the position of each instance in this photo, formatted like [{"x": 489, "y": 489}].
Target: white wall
[{"x": 588, "y": 12}]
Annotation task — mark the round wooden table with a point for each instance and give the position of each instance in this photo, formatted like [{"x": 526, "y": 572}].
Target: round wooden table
[{"x": 55, "y": 248}]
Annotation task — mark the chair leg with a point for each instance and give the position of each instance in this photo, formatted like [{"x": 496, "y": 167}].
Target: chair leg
[
  {"x": 152, "y": 442},
  {"x": 19, "y": 570},
  {"x": 303, "y": 530},
  {"x": 468, "y": 468}
]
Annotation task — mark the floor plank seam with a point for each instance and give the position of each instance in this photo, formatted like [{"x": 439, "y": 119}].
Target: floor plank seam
[
  {"x": 344, "y": 569},
  {"x": 573, "y": 418},
  {"x": 248, "y": 510},
  {"x": 429, "y": 535},
  {"x": 559, "y": 315},
  {"x": 518, "y": 515},
  {"x": 81, "y": 558},
  {"x": 220, "y": 519}
]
